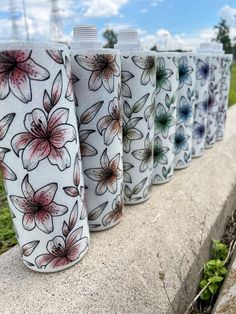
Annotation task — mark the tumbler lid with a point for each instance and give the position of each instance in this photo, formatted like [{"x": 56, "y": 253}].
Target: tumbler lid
[
  {"x": 128, "y": 40},
  {"x": 85, "y": 36},
  {"x": 217, "y": 48},
  {"x": 205, "y": 47}
]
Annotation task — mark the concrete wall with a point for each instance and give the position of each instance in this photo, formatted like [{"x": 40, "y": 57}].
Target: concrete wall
[{"x": 150, "y": 262}]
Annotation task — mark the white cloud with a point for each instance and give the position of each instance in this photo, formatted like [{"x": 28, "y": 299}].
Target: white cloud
[
  {"x": 99, "y": 8},
  {"x": 229, "y": 14},
  {"x": 154, "y": 3},
  {"x": 163, "y": 39},
  {"x": 143, "y": 10}
]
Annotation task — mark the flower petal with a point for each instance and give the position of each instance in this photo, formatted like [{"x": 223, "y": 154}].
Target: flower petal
[
  {"x": 58, "y": 241},
  {"x": 103, "y": 123},
  {"x": 71, "y": 191},
  {"x": 27, "y": 189},
  {"x": 20, "y": 141},
  {"x": 108, "y": 80},
  {"x": 95, "y": 81},
  {"x": 87, "y": 150},
  {"x": 34, "y": 70},
  {"x": 104, "y": 160},
  {"x": 21, "y": 204},
  {"x": 145, "y": 78},
  {"x": 35, "y": 119},
  {"x": 8, "y": 174},
  {"x": 4, "y": 85},
  {"x": 74, "y": 237},
  {"x": 96, "y": 174},
  {"x": 20, "y": 85},
  {"x": 101, "y": 187},
  {"x": 28, "y": 221},
  {"x": 36, "y": 151},
  {"x": 77, "y": 249},
  {"x": 60, "y": 157},
  {"x": 55, "y": 209},
  {"x": 88, "y": 63},
  {"x": 46, "y": 194},
  {"x": 43, "y": 260},
  {"x": 111, "y": 131},
  {"x": 56, "y": 55},
  {"x": 62, "y": 134},
  {"x": 60, "y": 116},
  {"x": 43, "y": 221}
]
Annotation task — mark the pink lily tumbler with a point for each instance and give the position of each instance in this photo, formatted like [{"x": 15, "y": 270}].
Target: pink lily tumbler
[{"x": 39, "y": 155}]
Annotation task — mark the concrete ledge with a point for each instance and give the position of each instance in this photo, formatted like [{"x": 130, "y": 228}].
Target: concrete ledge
[
  {"x": 149, "y": 263},
  {"x": 226, "y": 302}
]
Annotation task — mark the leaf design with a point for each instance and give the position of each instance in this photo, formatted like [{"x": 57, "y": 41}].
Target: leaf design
[
  {"x": 56, "y": 55},
  {"x": 90, "y": 113},
  {"x": 95, "y": 213},
  {"x": 83, "y": 214},
  {"x": 127, "y": 109},
  {"x": 56, "y": 89},
  {"x": 5, "y": 123},
  {"x": 28, "y": 248},
  {"x": 47, "y": 103},
  {"x": 128, "y": 192},
  {"x": 138, "y": 188},
  {"x": 73, "y": 216},
  {"x": 65, "y": 229},
  {"x": 94, "y": 226},
  {"x": 140, "y": 103}
]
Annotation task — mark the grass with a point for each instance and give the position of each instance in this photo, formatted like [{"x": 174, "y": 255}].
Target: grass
[
  {"x": 232, "y": 93},
  {"x": 7, "y": 234}
]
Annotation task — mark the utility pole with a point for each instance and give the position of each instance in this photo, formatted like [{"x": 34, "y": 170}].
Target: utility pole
[
  {"x": 55, "y": 22},
  {"x": 25, "y": 20},
  {"x": 14, "y": 19}
]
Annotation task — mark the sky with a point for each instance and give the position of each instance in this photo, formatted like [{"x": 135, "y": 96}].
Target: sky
[{"x": 171, "y": 24}]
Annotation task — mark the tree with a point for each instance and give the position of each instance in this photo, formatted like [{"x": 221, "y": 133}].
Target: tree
[
  {"x": 111, "y": 38},
  {"x": 223, "y": 37}
]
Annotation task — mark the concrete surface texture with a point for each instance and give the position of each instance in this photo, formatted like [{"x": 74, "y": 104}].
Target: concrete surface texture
[
  {"x": 150, "y": 262},
  {"x": 226, "y": 303}
]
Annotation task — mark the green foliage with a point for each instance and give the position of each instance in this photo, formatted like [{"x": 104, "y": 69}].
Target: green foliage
[
  {"x": 219, "y": 250},
  {"x": 214, "y": 271},
  {"x": 223, "y": 35},
  {"x": 232, "y": 93},
  {"x": 7, "y": 234},
  {"x": 111, "y": 38}
]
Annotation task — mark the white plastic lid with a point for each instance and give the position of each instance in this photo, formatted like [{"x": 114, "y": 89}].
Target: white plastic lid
[
  {"x": 128, "y": 40},
  {"x": 205, "y": 47},
  {"x": 85, "y": 36},
  {"x": 217, "y": 48}
]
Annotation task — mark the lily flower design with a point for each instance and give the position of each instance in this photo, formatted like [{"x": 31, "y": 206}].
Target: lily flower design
[
  {"x": 38, "y": 207},
  {"x": 180, "y": 140},
  {"x": 184, "y": 111},
  {"x": 164, "y": 119},
  {"x": 203, "y": 71},
  {"x": 72, "y": 79},
  {"x": 116, "y": 214},
  {"x": 199, "y": 130},
  {"x": 148, "y": 65},
  {"x": 62, "y": 251},
  {"x": 162, "y": 75},
  {"x": 112, "y": 124},
  {"x": 46, "y": 138},
  {"x": 8, "y": 174},
  {"x": 184, "y": 72},
  {"x": 159, "y": 152},
  {"x": 145, "y": 155},
  {"x": 103, "y": 67},
  {"x": 17, "y": 69},
  {"x": 108, "y": 175}
]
